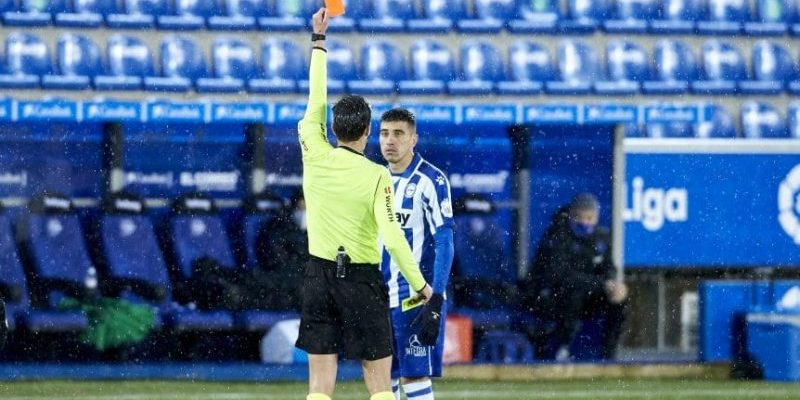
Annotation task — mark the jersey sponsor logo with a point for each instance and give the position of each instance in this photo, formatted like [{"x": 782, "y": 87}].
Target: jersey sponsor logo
[
  {"x": 789, "y": 204},
  {"x": 410, "y": 190},
  {"x": 388, "y": 203},
  {"x": 655, "y": 206},
  {"x": 415, "y": 348},
  {"x": 402, "y": 218},
  {"x": 447, "y": 208}
]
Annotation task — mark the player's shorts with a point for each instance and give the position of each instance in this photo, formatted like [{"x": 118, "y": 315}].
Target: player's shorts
[
  {"x": 412, "y": 359},
  {"x": 349, "y": 315}
]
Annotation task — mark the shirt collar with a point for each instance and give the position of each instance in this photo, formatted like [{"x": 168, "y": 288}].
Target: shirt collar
[
  {"x": 351, "y": 150},
  {"x": 411, "y": 167}
]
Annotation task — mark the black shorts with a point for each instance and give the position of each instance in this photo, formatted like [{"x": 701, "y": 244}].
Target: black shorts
[{"x": 349, "y": 315}]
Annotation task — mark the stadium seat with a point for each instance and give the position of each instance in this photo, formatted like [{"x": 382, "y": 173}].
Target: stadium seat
[
  {"x": 34, "y": 12},
  {"x": 288, "y": 15},
  {"x": 137, "y": 14},
  {"x": 182, "y": 64},
  {"x": 481, "y": 67},
  {"x": 86, "y": 13},
  {"x": 628, "y": 65},
  {"x": 438, "y": 16},
  {"x": 341, "y": 68},
  {"x": 634, "y": 131},
  {"x": 187, "y": 14},
  {"x": 233, "y": 64},
  {"x": 718, "y": 123},
  {"x": 27, "y": 58},
  {"x": 677, "y": 16},
  {"x": 631, "y": 16},
  {"x": 675, "y": 67},
  {"x": 529, "y": 66},
  {"x": 669, "y": 130},
  {"x": 772, "y": 18},
  {"x": 382, "y": 66},
  {"x": 489, "y": 16},
  {"x": 504, "y": 347},
  {"x": 129, "y": 60},
  {"x": 793, "y": 119},
  {"x": 283, "y": 65},
  {"x": 78, "y": 61},
  {"x": 584, "y": 16},
  {"x": 578, "y": 67},
  {"x": 535, "y": 16},
  {"x": 724, "y": 17},
  {"x": 136, "y": 268},
  {"x": 723, "y": 68},
  {"x": 762, "y": 121},
  {"x": 388, "y": 16},
  {"x": 238, "y": 15},
  {"x": 773, "y": 68},
  {"x": 431, "y": 66}
]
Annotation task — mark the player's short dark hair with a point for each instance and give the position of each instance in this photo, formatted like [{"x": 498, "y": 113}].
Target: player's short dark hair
[
  {"x": 400, "y": 114},
  {"x": 351, "y": 117}
]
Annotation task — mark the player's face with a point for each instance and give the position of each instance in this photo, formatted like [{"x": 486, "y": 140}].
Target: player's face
[
  {"x": 586, "y": 217},
  {"x": 397, "y": 140}
]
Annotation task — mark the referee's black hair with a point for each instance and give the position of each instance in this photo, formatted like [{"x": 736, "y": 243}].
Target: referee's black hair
[
  {"x": 351, "y": 117},
  {"x": 400, "y": 114}
]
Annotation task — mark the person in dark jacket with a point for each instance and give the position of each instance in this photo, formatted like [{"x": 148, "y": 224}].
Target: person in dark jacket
[{"x": 573, "y": 276}]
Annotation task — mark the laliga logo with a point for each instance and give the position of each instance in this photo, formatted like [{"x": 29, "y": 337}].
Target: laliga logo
[
  {"x": 789, "y": 204},
  {"x": 653, "y": 206}
]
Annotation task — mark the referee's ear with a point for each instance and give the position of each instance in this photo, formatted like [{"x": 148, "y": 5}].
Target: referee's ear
[{"x": 368, "y": 130}]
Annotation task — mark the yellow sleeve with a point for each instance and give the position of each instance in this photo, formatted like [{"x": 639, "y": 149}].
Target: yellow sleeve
[
  {"x": 313, "y": 137},
  {"x": 392, "y": 234}
]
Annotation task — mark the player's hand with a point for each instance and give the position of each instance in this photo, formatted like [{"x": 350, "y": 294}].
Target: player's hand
[
  {"x": 429, "y": 320},
  {"x": 320, "y": 21},
  {"x": 616, "y": 291}
]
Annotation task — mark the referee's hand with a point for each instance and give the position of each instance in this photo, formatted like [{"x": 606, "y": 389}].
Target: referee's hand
[
  {"x": 429, "y": 320},
  {"x": 320, "y": 21}
]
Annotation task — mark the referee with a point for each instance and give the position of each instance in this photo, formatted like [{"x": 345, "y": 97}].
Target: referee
[{"x": 349, "y": 202}]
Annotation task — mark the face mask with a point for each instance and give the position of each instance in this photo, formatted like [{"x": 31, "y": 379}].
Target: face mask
[
  {"x": 581, "y": 230},
  {"x": 299, "y": 218}
]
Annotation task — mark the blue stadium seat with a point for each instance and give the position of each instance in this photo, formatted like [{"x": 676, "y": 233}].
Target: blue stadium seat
[
  {"x": 341, "y": 68},
  {"x": 634, "y": 131},
  {"x": 34, "y": 12},
  {"x": 239, "y": 15},
  {"x": 628, "y": 65},
  {"x": 431, "y": 66},
  {"x": 137, "y": 271},
  {"x": 762, "y": 121},
  {"x": 669, "y": 130},
  {"x": 677, "y": 16},
  {"x": 773, "y": 68},
  {"x": 233, "y": 64},
  {"x": 283, "y": 65},
  {"x": 137, "y": 14},
  {"x": 78, "y": 61},
  {"x": 772, "y": 18},
  {"x": 793, "y": 119},
  {"x": 529, "y": 66},
  {"x": 129, "y": 60},
  {"x": 578, "y": 68},
  {"x": 356, "y": 10},
  {"x": 382, "y": 66},
  {"x": 187, "y": 14},
  {"x": 27, "y": 58},
  {"x": 288, "y": 15},
  {"x": 717, "y": 124},
  {"x": 489, "y": 16},
  {"x": 675, "y": 67},
  {"x": 182, "y": 64},
  {"x": 18, "y": 302},
  {"x": 631, "y": 16},
  {"x": 535, "y": 16},
  {"x": 259, "y": 210},
  {"x": 480, "y": 68},
  {"x": 724, "y": 17},
  {"x": 585, "y": 15},
  {"x": 86, "y": 13},
  {"x": 723, "y": 68},
  {"x": 438, "y": 16},
  {"x": 388, "y": 16}
]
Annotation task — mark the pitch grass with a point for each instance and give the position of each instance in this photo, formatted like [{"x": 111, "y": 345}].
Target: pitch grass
[{"x": 445, "y": 390}]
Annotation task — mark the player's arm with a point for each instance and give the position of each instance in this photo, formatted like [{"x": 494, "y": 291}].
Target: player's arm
[
  {"x": 313, "y": 139},
  {"x": 393, "y": 238},
  {"x": 439, "y": 213}
]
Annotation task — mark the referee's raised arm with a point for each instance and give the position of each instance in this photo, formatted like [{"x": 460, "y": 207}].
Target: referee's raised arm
[{"x": 311, "y": 128}]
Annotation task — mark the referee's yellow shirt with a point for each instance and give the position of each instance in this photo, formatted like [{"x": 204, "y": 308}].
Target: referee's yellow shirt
[{"x": 349, "y": 199}]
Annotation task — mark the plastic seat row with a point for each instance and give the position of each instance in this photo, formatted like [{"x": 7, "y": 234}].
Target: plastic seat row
[
  {"x": 758, "y": 120},
  {"x": 769, "y": 17},
  {"x": 126, "y": 251},
  {"x": 383, "y": 69}
]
